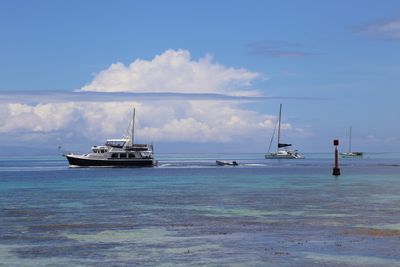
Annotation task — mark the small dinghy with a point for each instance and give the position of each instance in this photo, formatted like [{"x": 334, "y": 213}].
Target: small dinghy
[{"x": 226, "y": 163}]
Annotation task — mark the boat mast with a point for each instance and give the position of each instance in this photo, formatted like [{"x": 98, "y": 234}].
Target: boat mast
[
  {"x": 350, "y": 141},
  {"x": 279, "y": 125},
  {"x": 133, "y": 127}
]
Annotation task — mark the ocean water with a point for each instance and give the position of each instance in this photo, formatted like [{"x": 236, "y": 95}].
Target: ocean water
[{"x": 190, "y": 212}]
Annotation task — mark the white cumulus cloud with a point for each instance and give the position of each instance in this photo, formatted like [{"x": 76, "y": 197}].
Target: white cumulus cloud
[{"x": 173, "y": 71}]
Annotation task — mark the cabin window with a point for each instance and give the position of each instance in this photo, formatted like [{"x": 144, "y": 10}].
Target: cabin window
[
  {"x": 114, "y": 156},
  {"x": 122, "y": 155},
  {"x": 132, "y": 156}
]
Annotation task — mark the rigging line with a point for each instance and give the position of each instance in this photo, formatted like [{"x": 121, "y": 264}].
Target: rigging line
[
  {"x": 128, "y": 130},
  {"x": 272, "y": 138}
]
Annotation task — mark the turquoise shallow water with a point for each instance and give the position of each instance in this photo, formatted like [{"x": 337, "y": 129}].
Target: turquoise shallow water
[{"x": 189, "y": 212}]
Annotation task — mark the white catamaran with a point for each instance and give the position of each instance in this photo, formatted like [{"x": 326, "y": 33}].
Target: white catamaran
[
  {"x": 116, "y": 153},
  {"x": 283, "y": 149},
  {"x": 351, "y": 154}
]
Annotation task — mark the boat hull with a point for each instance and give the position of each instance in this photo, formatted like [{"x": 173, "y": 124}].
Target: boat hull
[
  {"x": 352, "y": 154},
  {"x": 282, "y": 157},
  {"x": 85, "y": 162}
]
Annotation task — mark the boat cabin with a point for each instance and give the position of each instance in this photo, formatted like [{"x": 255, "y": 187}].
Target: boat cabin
[{"x": 99, "y": 149}]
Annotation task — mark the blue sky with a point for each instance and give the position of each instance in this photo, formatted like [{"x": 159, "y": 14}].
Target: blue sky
[{"x": 343, "y": 54}]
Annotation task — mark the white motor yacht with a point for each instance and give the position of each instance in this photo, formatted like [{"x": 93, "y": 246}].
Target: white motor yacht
[{"x": 116, "y": 153}]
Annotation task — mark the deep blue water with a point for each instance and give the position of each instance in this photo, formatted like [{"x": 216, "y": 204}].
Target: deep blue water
[{"x": 189, "y": 212}]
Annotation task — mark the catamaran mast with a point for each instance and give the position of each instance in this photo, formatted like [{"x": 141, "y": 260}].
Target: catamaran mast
[
  {"x": 279, "y": 125},
  {"x": 133, "y": 127},
  {"x": 350, "y": 141}
]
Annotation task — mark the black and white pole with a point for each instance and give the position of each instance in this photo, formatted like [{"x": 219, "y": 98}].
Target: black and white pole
[{"x": 336, "y": 169}]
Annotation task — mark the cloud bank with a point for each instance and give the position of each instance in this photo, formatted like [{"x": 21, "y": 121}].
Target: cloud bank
[{"x": 193, "y": 121}]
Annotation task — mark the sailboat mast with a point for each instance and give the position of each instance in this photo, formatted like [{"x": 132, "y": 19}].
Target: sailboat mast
[
  {"x": 350, "y": 141},
  {"x": 279, "y": 124},
  {"x": 133, "y": 127}
]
